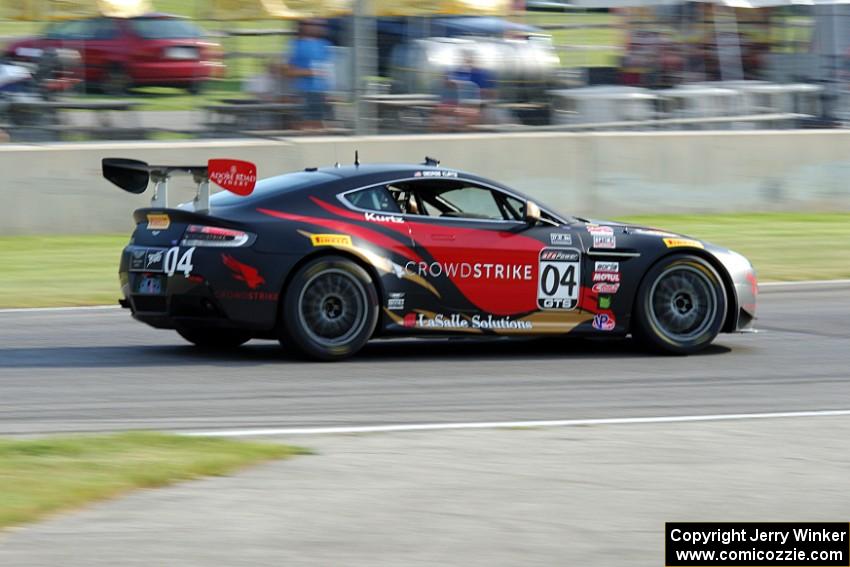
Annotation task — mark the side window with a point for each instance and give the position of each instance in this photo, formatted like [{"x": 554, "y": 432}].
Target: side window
[
  {"x": 73, "y": 30},
  {"x": 471, "y": 202},
  {"x": 456, "y": 198},
  {"x": 513, "y": 208},
  {"x": 64, "y": 30},
  {"x": 373, "y": 199},
  {"x": 103, "y": 28}
]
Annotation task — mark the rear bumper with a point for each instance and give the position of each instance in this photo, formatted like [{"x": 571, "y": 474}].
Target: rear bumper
[
  {"x": 194, "y": 308},
  {"x": 212, "y": 295}
]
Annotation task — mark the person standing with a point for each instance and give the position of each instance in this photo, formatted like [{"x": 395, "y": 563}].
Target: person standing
[{"x": 310, "y": 62}]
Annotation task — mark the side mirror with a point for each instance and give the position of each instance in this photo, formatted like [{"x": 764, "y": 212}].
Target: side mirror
[{"x": 532, "y": 213}]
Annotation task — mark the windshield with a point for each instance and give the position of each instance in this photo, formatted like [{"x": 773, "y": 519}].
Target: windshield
[
  {"x": 163, "y": 28},
  {"x": 273, "y": 186}
]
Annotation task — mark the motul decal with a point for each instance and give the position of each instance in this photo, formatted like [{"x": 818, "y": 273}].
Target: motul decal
[
  {"x": 606, "y": 277},
  {"x": 235, "y": 175},
  {"x": 243, "y": 272}
]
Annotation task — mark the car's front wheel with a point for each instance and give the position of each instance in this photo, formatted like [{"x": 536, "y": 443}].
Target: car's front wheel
[
  {"x": 215, "y": 338},
  {"x": 680, "y": 305},
  {"x": 330, "y": 309}
]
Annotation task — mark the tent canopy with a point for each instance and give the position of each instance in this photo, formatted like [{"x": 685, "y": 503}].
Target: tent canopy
[
  {"x": 729, "y": 3},
  {"x": 296, "y": 9},
  {"x": 41, "y": 10}
]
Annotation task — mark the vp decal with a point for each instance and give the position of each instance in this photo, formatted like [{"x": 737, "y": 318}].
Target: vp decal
[
  {"x": 558, "y": 278},
  {"x": 604, "y": 322}
]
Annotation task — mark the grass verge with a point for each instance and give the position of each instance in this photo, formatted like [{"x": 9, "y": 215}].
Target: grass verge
[
  {"x": 42, "y": 476},
  {"x": 49, "y": 271},
  {"x": 781, "y": 246}
]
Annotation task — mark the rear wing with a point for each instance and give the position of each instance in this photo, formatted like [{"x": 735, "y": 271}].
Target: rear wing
[{"x": 134, "y": 176}]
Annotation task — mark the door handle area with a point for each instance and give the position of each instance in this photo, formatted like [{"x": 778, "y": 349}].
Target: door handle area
[{"x": 443, "y": 237}]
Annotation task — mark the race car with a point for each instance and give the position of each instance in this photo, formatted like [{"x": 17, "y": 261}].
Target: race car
[{"x": 326, "y": 259}]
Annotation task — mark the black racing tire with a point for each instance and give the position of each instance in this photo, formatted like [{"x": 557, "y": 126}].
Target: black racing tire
[
  {"x": 680, "y": 305},
  {"x": 330, "y": 309},
  {"x": 215, "y": 338}
]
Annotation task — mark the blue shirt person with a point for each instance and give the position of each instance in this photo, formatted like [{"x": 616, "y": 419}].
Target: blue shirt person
[{"x": 310, "y": 63}]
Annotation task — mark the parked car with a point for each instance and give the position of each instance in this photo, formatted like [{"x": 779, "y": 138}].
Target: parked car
[{"x": 119, "y": 53}]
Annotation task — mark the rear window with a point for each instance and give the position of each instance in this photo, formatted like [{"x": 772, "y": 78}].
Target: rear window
[
  {"x": 163, "y": 28},
  {"x": 273, "y": 186},
  {"x": 374, "y": 199}
]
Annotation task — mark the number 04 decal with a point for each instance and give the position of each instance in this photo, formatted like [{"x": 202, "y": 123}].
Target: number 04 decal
[
  {"x": 558, "y": 278},
  {"x": 174, "y": 262}
]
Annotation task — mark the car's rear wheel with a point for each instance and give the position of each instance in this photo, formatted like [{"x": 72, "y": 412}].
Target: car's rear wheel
[
  {"x": 330, "y": 309},
  {"x": 680, "y": 305},
  {"x": 215, "y": 338}
]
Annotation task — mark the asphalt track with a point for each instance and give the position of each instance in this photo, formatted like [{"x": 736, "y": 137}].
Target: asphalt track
[{"x": 97, "y": 370}]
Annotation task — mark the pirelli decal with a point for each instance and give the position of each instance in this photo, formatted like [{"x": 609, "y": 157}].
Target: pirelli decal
[
  {"x": 158, "y": 221},
  {"x": 682, "y": 242},
  {"x": 330, "y": 240}
]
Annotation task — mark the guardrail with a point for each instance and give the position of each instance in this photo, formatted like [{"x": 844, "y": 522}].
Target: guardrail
[
  {"x": 776, "y": 117},
  {"x": 58, "y": 188}
]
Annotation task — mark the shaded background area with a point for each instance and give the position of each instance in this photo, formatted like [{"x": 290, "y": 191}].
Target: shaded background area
[{"x": 438, "y": 66}]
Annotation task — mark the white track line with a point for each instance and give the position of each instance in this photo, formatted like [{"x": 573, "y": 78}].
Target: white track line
[
  {"x": 103, "y": 307},
  {"x": 508, "y": 424},
  {"x": 59, "y": 309},
  {"x": 804, "y": 283}
]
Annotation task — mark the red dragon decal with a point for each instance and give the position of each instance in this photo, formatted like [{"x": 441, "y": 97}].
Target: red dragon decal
[{"x": 243, "y": 272}]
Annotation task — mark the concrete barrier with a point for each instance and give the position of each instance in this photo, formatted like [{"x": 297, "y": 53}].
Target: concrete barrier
[{"x": 58, "y": 188}]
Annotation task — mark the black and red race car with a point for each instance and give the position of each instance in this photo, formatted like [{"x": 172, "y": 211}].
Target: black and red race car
[{"x": 326, "y": 259}]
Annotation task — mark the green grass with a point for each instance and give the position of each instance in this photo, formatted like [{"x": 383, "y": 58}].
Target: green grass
[
  {"x": 170, "y": 98},
  {"x": 43, "y": 476},
  {"x": 59, "y": 270},
  {"x": 606, "y": 40},
  {"x": 48, "y": 271},
  {"x": 781, "y": 246}
]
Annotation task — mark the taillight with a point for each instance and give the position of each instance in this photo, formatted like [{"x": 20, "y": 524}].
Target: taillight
[{"x": 213, "y": 236}]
